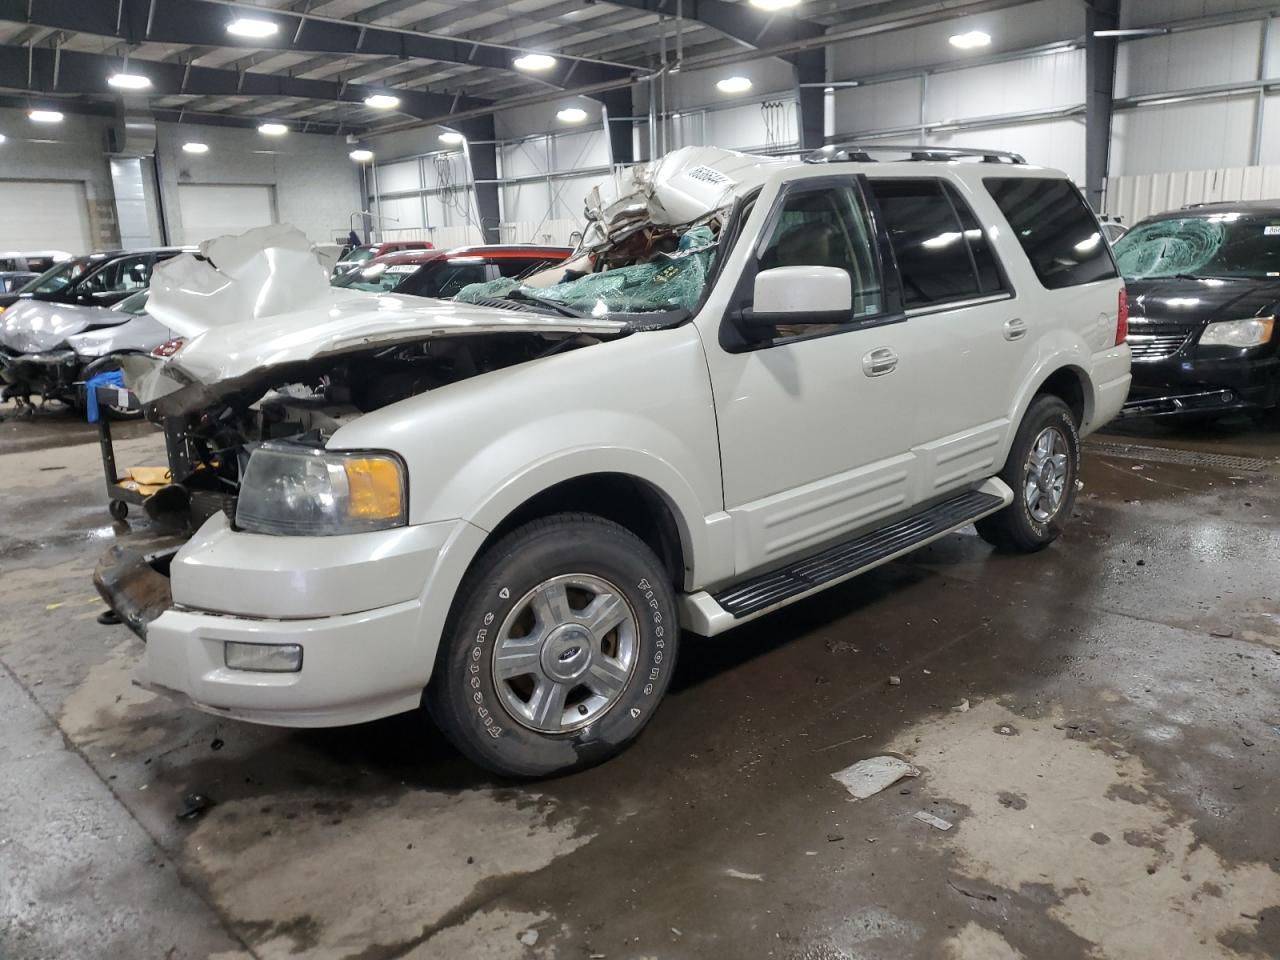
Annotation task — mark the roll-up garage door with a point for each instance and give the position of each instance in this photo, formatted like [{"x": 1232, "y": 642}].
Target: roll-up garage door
[
  {"x": 211, "y": 210},
  {"x": 44, "y": 215}
]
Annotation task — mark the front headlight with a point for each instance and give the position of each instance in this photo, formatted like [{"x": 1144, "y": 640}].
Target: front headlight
[
  {"x": 1238, "y": 333},
  {"x": 300, "y": 491}
]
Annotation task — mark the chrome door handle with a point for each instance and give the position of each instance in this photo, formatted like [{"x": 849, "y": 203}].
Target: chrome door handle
[
  {"x": 879, "y": 361},
  {"x": 1015, "y": 329}
]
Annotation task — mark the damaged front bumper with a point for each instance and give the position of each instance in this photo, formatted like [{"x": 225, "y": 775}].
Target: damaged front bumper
[
  {"x": 351, "y": 605},
  {"x": 54, "y": 373}
]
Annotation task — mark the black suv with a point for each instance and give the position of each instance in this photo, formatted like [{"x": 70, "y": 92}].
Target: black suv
[
  {"x": 98, "y": 279},
  {"x": 1204, "y": 290}
]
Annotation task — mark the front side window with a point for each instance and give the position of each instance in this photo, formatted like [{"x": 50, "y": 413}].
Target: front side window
[
  {"x": 827, "y": 227},
  {"x": 60, "y": 277},
  {"x": 1216, "y": 245},
  {"x": 118, "y": 276},
  {"x": 942, "y": 251},
  {"x": 1055, "y": 228}
]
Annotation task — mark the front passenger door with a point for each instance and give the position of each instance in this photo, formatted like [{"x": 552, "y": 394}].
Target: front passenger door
[{"x": 815, "y": 420}]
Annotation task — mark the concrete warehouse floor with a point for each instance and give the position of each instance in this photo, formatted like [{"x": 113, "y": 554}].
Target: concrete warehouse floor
[{"x": 1111, "y": 783}]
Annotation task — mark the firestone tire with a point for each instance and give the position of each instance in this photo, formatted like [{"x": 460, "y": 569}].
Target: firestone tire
[
  {"x": 542, "y": 600},
  {"x": 1028, "y": 524}
]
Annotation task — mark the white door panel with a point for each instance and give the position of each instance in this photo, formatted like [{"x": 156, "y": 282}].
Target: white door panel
[
  {"x": 971, "y": 371},
  {"x": 44, "y": 215},
  {"x": 812, "y": 446},
  {"x": 816, "y": 421},
  {"x": 787, "y": 523}
]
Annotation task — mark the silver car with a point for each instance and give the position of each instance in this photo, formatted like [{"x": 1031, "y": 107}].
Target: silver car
[{"x": 49, "y": 349}]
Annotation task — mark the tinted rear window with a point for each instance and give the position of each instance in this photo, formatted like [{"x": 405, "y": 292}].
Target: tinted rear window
[
  {"x": 941, "y": 250},
  {"x": 1057, "y": 230}
]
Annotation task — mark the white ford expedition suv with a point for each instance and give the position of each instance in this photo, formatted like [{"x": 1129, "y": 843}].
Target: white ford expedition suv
[{"x": 755, "y": 379}]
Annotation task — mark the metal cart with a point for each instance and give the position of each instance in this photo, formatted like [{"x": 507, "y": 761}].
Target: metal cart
[{"x": 119, "y": 495}]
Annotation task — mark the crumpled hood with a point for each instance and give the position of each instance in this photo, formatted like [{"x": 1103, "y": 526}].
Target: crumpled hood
[
  {"x": 1194, "y": 303},
  {"x": 251, "y": 304},
  {"x": 37, "y": 326}
]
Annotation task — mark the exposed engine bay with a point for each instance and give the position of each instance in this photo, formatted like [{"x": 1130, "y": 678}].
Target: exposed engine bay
[
  {"x": 209, "y": 449},
  {"x": 266, "y": 350}
]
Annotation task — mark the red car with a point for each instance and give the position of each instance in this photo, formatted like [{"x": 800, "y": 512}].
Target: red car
[
  {"x": 442, "y": 273},
  {"x": 362, "y": 255}
]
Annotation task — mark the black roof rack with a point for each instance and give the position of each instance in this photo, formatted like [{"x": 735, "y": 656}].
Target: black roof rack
[{"x": 862, "y": 153}]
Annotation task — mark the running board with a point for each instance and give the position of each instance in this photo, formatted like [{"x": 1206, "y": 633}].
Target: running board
[{"x": 709, "y": 614}]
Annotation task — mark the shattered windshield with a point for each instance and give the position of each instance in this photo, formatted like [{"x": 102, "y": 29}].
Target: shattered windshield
[
  {"x": 1228, "y": 245},
  {"x": 648, "y": 271}
]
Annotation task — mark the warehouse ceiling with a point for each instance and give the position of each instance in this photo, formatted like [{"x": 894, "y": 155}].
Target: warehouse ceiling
[{"x": 323, "y": 58}]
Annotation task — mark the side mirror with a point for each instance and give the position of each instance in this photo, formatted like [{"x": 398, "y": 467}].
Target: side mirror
[{"x": 799, "y": 295}]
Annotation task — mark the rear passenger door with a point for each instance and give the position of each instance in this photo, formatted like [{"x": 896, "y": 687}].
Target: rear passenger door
[{"x": 971, "y": 342}]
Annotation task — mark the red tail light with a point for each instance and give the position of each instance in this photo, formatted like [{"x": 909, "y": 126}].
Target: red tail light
[
  {"x": 169, "y": 347},
  {"x": 1122, "y": 317}
]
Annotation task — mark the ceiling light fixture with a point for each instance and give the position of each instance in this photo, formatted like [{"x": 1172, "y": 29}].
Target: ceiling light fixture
[
  {"x": 572, "y": 115},
  {"x": 534, "y": 62},
  {"x": 773, "y": 5},
  {"x": 194, "y": 146},
  {"x": 382, "y": 101},
  {"x": 734, "y": 85},
  {"x": 452, "y": 138},
  {"x": 249, "y": 27},
  {"x": 971, "y": 40},
  {"x": 129, "y": 81},
  {"x": 45, "y": 116},
  {"x": 273, "y": 129},
  {"x": 361, "y": 156}
]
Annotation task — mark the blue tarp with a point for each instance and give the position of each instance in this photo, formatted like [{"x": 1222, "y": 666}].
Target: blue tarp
[{"x": 110, "y": 378}]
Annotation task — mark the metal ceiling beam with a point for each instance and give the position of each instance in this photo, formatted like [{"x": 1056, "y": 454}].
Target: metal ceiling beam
[
  {"x": 744, "y": 23},
  {"x": 203, "y": 23},
  {"x": 86, "y": 73}
]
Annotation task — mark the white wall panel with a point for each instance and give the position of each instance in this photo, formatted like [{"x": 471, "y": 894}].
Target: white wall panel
[
  {"x": 1193, "y": 135},
  {"x": 570, "y": 196},
  {"x": 525, "y": 158},
  {"x": 573, "y": 151},
  {"x": 1017, "y": 28},
  {"x": 1050, "y": 143},
  {"x": 877, "y": 106},
  {"x": 1191, "y": 58},
  {"x": 1018, "y": 86},
  {"x": 744, "y": 126},
  {"x": 399, "y": 177},
  {"x": 400, "y": 213},
  {"x": 1158, "y": 13}
]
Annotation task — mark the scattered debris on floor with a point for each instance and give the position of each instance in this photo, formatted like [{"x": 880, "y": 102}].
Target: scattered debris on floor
[
  {"x": 895, "y": 681},
  {"x": 739, "y": 875},
  {"x": 962, "y": 706},
  {"x": 924, "y": 816},
  {"x": 528, "y": 938},
  {"x": 868, "y": 777},
  {"x": 193, "y": 805}
]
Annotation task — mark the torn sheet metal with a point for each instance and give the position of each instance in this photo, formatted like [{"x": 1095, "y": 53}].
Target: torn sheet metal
[
  {"x": 250, "y": 304},
  {"x": 683, "y": 187}
]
